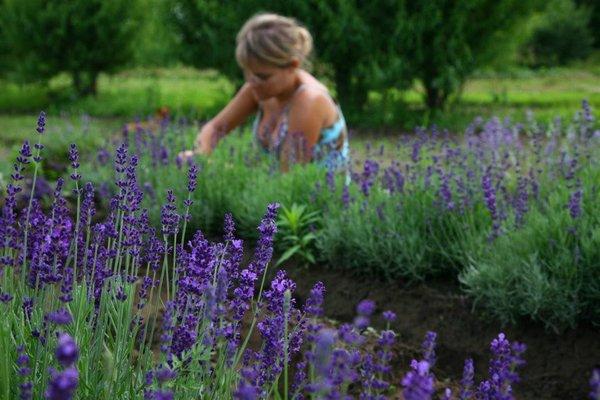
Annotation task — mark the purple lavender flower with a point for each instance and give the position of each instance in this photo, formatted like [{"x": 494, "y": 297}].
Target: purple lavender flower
[
  {"x": 467, "y": 382},
  {"x": 164, "y": 374},
  {"x": 587, "y": 111},
  {"x": 323, "y": 363},
  {"x": 26, "y": 390},
  {"x": 389, "y": 316},
  {"x": 103, "y": 156},
  {"x": 330, "y": 178},
  {"x": 192, "y": 178},
  {"x": 167, "y": 327},
  {"x": 595, "y": 384},
  {"x": 361, "y": 322},
  {"x": 67, "y": 352},
  {"x": 22, "y": 159},
  {"x": 27, "y": 307},
  {"x": 26, "y": 387},
  {"x": 62, "y": 385},
  {"x": 163, "y": 395},
  {"x": 23, "y": 361},
  {"x": 365, "y": 308},
  {"x": 74, "y": 158},
  {"x": 345, "y": 196},
  {"x": 445, "y": 192},
  {"x": 314, "y": 303},
  {"x": 5, "y": 297},
  {"x": 370, "y": 170},
  {"x": 575, "y": 203},
  {"x": 418, "y": 383},
  {"x": 447, "y": 394},
  {"x": 229, "y": 228},
  {"x": 41, "y": 123},
  {"x": 169, "y": 217},
  {"x": 60, "y": 317},
  {"x": 428, "y": 347},
  {"x": 489, "y": 193},
  {"x": 506, "y": 359},
  {"x": 246, "y": 391},
  {"x": 521, "y": 201}
]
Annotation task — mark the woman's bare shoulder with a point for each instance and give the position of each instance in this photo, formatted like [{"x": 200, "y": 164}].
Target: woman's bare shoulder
[{"x": 311, "y": 83}]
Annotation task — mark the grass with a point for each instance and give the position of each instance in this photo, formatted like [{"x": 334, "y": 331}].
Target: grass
[
  {"x": 201, "y": 94},
  {"x": 185, "y": 91}
]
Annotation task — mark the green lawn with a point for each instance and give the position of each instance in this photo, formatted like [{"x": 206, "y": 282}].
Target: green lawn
[
  {"x": 200, "y": 94},
  {"x": 135, "y": 92}
]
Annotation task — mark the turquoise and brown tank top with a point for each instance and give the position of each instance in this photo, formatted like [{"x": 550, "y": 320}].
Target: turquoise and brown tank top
[{"x": 331, "y": 151}]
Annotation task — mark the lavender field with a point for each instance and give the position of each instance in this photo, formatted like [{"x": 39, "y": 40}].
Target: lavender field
[{"x": 127, "y": 273}]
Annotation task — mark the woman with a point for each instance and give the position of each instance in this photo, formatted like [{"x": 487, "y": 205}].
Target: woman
[{"x": 297, "y": 120}]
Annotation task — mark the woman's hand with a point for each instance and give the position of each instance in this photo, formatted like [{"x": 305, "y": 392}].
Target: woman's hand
[
  {"x": 204, "y": 143},
  {"x": 206, "y": 139}
]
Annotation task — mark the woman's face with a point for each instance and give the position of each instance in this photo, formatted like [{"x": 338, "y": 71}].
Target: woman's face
[{"x": 268, "y": 81}]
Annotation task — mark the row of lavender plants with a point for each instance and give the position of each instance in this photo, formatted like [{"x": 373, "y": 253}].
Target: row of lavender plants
[
  {"x": 510, "y": 210},
  {"x": 112, "y": 307}
]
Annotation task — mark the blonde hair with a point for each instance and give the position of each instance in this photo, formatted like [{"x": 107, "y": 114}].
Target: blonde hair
[{"x": 274, "y": 40}]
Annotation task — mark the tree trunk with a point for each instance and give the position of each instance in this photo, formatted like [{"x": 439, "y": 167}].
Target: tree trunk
[
  {"x": 86, "y": 83},
  {"x": 435, "y": 98}
]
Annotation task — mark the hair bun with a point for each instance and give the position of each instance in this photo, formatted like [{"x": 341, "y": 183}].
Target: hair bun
[{"x": 305, "y": 41}]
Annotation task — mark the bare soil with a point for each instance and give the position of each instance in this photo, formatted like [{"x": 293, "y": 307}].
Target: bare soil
[{"x": 558, "y": 366}]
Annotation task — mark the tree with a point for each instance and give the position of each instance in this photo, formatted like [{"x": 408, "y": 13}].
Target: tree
[
  {"x": 450, "y": 39},
  {"x": 80, "y": 37},
  {"x": 563, "y": 34},
  {"x": 358, "y": 41}
]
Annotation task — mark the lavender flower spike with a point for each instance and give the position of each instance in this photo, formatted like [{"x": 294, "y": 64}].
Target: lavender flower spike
[
  {"x": 62, "y": 385},
  {"x": 418, "y": 383},
  {"x": 66, "y": 350},
  {"x": 41, "y": 123},
  {"x": 595, "y": 384}
]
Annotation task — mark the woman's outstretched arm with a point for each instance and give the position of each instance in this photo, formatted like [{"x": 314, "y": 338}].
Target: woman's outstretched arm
[{"x": 235, "y": 112}]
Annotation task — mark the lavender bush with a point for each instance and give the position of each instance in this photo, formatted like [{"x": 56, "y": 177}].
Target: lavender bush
[
  {"x": 509, "y": 203},
  {"x": 117, "y": 308}
]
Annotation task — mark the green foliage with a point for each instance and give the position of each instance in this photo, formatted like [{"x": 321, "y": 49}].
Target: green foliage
[
  {"x": 389, "y": 42},
  {"x": 83, "y": 38},
  {"x": 543, "y": 265},
  {"x": 296, "y": 227},
  {"x": 594, "y": 24},
  {"x": 549, "y": 269},
  {"x": 154, "y": 44},
  {"x": 450, "y": 40},
  {"x": 368, "y": 33},
  {"x": 562, "y": 36}
]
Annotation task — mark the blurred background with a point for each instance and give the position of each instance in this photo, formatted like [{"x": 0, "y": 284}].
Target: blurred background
[{"x": 393, "y": 64}]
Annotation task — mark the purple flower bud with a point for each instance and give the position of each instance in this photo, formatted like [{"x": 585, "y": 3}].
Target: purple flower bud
[
  {"x": 365, "y": 308},
  {"x": 418, "y": 383},
  {"x": 60, "y": 317},
  {"x": 192, "y": 178},
  {"x": 62, "y": 385},
  {"x": 361, "y": 322},
  {"x": 595, "y": 384},
  {"x": 389, "y": 316},
  {"x": 575, "y": 203},
  {"x": 41, "y": 123},
  {"x": 428, "y": 347},
  {"x": 67, "y": 352},
  {"x": 314, "y": 303},
  {"x": 74, "y": 156},
  {"x": 163, "y": 395}
]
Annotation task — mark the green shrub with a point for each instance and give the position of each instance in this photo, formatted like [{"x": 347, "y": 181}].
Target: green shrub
[
  {"x": 563, "y": 36},
  {"x": 81, "y": 37}
]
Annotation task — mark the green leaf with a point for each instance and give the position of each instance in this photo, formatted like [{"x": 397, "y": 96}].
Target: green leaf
[{"x": 287, "y": 254}]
